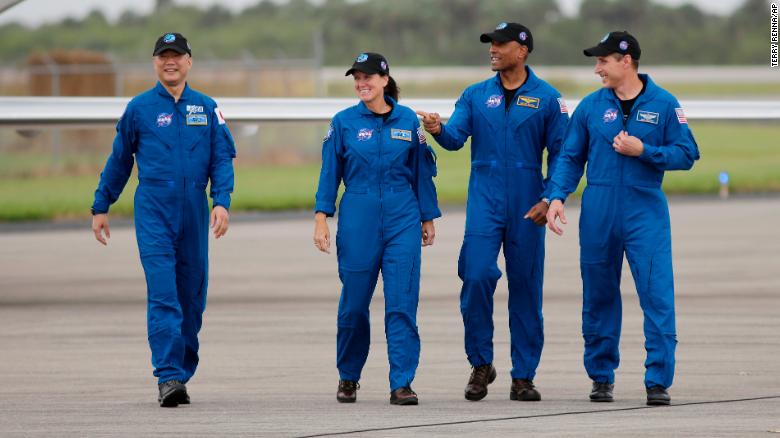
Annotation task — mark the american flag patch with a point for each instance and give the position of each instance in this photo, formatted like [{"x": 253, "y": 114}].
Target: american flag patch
[
  {"x": 680, "y": 115},
  {"x": 562, "y": 104},
  {"x": 220, "y": 117},
  {"x": 421, "y": 135}
]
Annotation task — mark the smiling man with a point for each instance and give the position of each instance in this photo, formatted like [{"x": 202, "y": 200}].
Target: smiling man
[
  {"x": 181, "y": 143},
  {"x": 629, "y": 133},
  {"x": 511, "y": 118}
]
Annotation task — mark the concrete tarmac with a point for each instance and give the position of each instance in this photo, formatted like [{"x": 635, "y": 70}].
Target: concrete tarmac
[{"x": 75, "y": 361}]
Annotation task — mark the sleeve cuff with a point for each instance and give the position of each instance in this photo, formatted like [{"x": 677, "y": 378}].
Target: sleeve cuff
[
  {"x": 430, "y": 215},
  {"x": 222, "y": 200},
  {"x": 648, "y": 151},
  {"x": 329, "y": 208},
  {"x": 100, "y": 207},
  {"x": 438, "y": 136},
  {"x": 557, "y": 195}
]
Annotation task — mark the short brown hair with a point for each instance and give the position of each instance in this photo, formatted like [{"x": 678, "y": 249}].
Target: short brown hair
[{"x": 618, "y": 57}]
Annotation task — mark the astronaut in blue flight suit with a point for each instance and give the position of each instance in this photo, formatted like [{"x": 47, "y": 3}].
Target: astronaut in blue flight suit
[
  {"x": 378, "y": 150},
  {"x": 629, "y": 133},
  {"x": 511, "y": 119},
  {"x": 181, "y": 143}
]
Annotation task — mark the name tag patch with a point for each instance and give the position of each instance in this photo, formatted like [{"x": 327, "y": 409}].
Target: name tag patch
[
  {"x": 527, "y": 101},
  {"x": 197, "y": 120},
  {"x": 647, "y": 117},
  {"x": 400, "y": 134}
]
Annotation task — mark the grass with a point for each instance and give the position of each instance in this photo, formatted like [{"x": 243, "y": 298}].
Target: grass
[{"x": 748, "y": 151}]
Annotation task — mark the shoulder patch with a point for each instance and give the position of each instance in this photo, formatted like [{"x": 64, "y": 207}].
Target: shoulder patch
[
  {"x": 220, "y": 117},
  {"x": 329, "y": 134},
  {"x": 681, "y": 116},
  {"x": 562, "y": 104},
  {"x": 421, "y": 135}
]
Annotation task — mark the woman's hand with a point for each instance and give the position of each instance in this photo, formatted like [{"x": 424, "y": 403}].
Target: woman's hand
[
  {"x": 428, "y": 233},
  {"x": 321, "y": 233}
]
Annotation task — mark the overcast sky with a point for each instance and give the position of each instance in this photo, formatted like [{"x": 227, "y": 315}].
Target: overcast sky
[{"x": 34, "y": 12}]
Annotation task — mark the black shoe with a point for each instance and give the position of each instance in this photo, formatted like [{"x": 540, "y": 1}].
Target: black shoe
[
  {"x": 480, "y": 378},
  {"x": 602, "y": 392},
  {"x": 657, "y": 396},
  {"x": 347, "y": 391},
  {"x": 403, "y": 397},
  {"x": 172, "y": 394},
  {"x": 524, "y": 390}
]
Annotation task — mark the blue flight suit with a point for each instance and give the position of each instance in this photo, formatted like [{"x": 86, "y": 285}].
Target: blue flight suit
[
  {"x": 180, "y": 147},
  {"x": 624, "y": 210},
  {"x": 387, "y": 169},
  {"x": 506, "y": 181}
]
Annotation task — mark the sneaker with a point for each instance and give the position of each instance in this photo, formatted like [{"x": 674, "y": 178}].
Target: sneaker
[
  {"x": 658, "y": 396},
  {"x": 172, "y": 394},
  {"x": 524, "y": 390},
  {"x": 347, "y": 391},
  {"x": 480, "y": 378},
  {"x": 602, "y": 392},
  {"x": 403, "y": 397}
]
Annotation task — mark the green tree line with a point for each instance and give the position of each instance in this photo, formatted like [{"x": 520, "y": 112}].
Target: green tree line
[{"x": 409, "y": 32}]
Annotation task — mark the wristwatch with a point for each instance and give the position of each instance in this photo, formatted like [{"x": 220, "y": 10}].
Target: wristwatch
[{"x": 546, "y": 201}]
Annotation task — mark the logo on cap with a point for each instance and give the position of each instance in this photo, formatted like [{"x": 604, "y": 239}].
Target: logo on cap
[
  {"x": 501, "y": 26},
  {"x": 623, "y": 45},
  {"x": 169, "y": 38},
  {"x": 383, "y": 65},
  {"x": 361, "y": 58},
  {"x": 523, "y": 36},
  {"x": 606, "y": 37}
]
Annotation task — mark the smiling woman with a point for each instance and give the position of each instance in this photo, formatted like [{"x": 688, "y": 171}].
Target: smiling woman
[{"x": 379, "y": 151}]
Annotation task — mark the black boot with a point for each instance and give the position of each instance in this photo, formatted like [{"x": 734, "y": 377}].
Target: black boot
[
  {"x": 347, "y": 391},
  {"x": 524, "y": 390},
  {"x": 602, "y": 392},
  {"x": 172, "y": 394},
  {"x": 480, "y": 378},
  {"x": 658, "y": 396},
  {"x": 404, "y": 397}
]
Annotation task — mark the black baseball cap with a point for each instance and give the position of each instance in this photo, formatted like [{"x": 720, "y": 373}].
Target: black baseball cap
[
  {"x": 510, "y": 32},
  {"x": 370, "y": 63},
  {"x": 172, "y": 41},
  {"x": 620, "y": 42}
]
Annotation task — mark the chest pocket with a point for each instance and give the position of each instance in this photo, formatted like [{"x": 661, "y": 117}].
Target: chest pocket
[
  {"x": 361, "y": 143},
  {"x": 399, "y": 143},
  {"x": 196, "y": 136},
  {"x": 646, "y": 124},
  {"x": 524, "y": 109},
  {"x": 606, "y": 121}
]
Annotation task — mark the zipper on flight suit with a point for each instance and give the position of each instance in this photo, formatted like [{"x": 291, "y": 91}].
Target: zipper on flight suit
[
  {"x": 179, "y": 167},
  {"x": 381, "y": 121}
]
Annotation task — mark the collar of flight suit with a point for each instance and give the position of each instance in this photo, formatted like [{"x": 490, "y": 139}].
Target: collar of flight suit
[
  {"x": 530, "y": 83},
  {"x": 643, "y": 103},
  {"x": 651, "y": 89},
  {"x": 363, "y": 109},
  {"x": 185, "y": 94}
]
